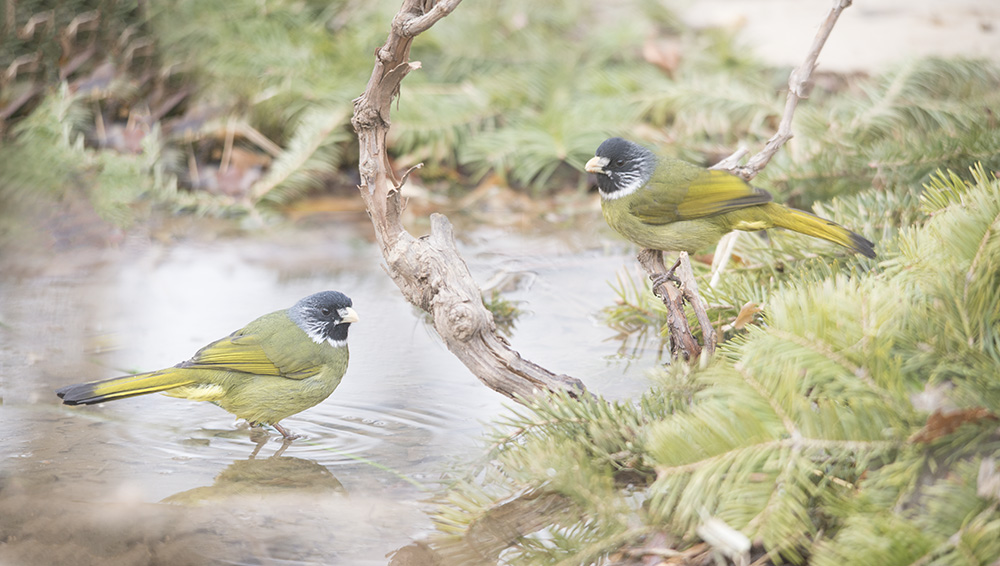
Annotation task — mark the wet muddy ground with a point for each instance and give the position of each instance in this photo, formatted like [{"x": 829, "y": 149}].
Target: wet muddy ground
[{"x": 157, "y": 480}]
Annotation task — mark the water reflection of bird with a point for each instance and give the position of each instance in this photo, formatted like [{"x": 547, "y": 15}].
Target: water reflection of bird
[
  {"x": 276, "y": 366},
  {"x": 671, "y": 205},
  {"x": 276, "y": 475}
]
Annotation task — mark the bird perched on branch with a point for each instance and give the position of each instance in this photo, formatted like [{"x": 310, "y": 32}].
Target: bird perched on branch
[
  {"x": 671, "y": 205},
  {"x": 276, "y": 366}
]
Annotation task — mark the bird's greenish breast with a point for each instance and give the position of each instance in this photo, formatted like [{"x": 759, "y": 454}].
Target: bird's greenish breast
[{"x": 268, "y": 399}]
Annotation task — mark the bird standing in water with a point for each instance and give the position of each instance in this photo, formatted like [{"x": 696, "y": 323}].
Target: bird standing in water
[{"x": 278, "y": 365}]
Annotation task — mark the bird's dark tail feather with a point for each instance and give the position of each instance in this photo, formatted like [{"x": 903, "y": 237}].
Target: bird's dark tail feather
[
  {"x": 813, "y": 225},
  {"x": 122, "y": 387}
]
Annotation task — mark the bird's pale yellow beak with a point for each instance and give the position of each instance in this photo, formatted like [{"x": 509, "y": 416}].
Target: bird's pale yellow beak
[
  {"x": 350, "y": 315},
  {"x": 596, "y": 165}
]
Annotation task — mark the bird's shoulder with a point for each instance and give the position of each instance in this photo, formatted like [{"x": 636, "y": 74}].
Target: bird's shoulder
[
  {"x": 270, "y": 345},
  {"x": 685, "y": 191}
]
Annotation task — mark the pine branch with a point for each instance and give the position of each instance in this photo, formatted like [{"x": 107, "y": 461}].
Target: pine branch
[
  {"x": 800, "y": 434},
  {"x": 790, "y": 428}
]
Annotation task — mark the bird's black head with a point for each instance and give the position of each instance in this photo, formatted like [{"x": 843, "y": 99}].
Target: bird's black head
[
  {"x": 324, "y": 317},
  {"x": 622, "y": 167}
]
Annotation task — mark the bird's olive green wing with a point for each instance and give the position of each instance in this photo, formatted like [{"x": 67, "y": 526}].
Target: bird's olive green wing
[
  {"x": 709, "y": 193},
  {"x": 245, "y": 352}
]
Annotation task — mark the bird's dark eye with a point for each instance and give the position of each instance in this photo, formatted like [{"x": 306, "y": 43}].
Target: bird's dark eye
[
  {"x": 325, "y": 311},
  {"x": 620, "y": 162}
]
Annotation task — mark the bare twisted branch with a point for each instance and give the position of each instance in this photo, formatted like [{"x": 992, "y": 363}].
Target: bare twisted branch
[{"x": 429, "y": 270}]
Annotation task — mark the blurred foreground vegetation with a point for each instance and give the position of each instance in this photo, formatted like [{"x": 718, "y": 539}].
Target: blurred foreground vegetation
[
  {"x": 853, "y": 421},
  {"x": 856, "y": 423}
]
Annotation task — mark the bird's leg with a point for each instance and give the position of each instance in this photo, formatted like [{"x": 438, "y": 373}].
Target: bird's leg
[
  {"x": 285, "y": 433},
  {"x": 670, "y": 272}
]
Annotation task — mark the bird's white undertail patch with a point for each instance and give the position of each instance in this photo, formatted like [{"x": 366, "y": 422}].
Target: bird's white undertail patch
[
  {"x": 750, "y": 225},
  {"x": 198, "y": 392}
]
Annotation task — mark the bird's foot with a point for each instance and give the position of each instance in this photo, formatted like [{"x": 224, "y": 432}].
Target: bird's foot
[
  {"x": 660, "y": 278},
  {"x": 260, "y": 438},
  {"x": 653, "y": 267},
  {"x": 288, "y": 436}
]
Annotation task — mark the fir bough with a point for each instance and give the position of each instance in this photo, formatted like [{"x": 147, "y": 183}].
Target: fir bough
[{"x": 804, "y": 433}]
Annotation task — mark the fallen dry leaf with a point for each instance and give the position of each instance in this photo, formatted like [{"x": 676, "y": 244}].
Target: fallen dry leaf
[
  {"x": 746, "y": 315},
  {"x": 942, "y": 423}
]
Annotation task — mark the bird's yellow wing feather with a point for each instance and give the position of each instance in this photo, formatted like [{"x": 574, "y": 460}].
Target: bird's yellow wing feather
[
  {"x": 244, "y": 353},
  {"x": 709, "y": 193}
]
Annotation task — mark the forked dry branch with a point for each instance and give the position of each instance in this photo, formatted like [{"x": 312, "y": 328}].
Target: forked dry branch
[{"x": 429, "y": 270}]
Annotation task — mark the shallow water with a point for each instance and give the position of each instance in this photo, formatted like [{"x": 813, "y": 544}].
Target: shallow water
[{"x": 91, "y": 484}]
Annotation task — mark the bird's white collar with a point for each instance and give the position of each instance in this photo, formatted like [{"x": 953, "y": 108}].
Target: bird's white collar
[
  {"x": 629, "y": 184},
  {"x": 317, "y": 335}
]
